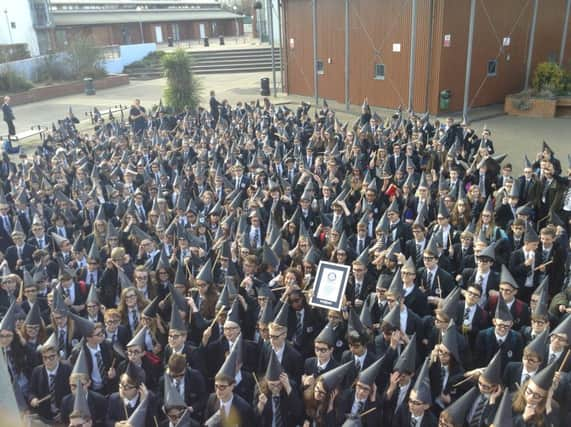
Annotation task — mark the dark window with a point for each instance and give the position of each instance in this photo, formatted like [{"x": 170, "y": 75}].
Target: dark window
[
  {"x": 379, "y": 71},
  {"x": 492, "y": 66},
  {"x": 319, "y": 66}
]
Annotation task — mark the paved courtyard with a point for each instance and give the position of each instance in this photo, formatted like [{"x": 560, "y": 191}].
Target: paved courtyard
[{"x": 513, "y": 135}]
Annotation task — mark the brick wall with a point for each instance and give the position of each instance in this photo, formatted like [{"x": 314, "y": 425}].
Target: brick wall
[
  {"x": 56, "y": 91},
  {"x": 538, "y": 107}
]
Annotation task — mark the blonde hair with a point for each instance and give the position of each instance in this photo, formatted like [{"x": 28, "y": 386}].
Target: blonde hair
[
  {"x": 111, "y": 313},
  {"x": 118, "y": 252},
  {"x": 84, "y": 378},
  {"x": 278, "y": 328}
]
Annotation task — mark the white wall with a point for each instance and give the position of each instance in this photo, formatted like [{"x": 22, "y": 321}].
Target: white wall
[
  {"x": 27, "y": 68},
  {"x": 19, "y": 12},
  {"x": 129, "y": 54}
]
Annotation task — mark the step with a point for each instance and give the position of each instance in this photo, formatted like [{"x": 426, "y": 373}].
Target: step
[
  {"x": 151, "y": 76},
  {"x": 199, "y": 66},
  {"x": 229, "y": 52},
  {"x": 232, "y": 58},
  {"x": 235, "y": 55},
  {"x": 201, "y": 70},
  {"x": 227, "y": 60},
  {"x": 215, "y": 61},
  {"x": 235, "y": 58},
  {"x": 243, "y": 59},
  {"x": 234, "y": 71},
  {"x": 209, "y": 61},
  {"x": 224, "y": 63},
  {"x": 231, "y": 67}
]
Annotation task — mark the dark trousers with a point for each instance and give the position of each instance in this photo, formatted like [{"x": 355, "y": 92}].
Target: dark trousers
[
  {"x": 139, "y": 129},
  {"x": 11, "y": 128}
]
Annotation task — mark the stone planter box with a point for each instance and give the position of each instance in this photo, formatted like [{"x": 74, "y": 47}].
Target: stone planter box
[
  {"x": 563, "y": 106},
  {"x": 517, "y": 105},
  {"x": 55, "y": 91}
]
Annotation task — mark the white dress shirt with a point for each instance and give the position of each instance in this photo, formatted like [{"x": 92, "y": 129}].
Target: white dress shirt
[
  {"x": 279, "y": 353},
  {"x": 403, "y": 319},
  {"x": 96, "y": 376},
  {"x": 225, "y": 406},
  {"x": 482, "y": 279},
  {"x": 529, "y": 279},
  {"x": 357, "y": 407},
  {"x": 360, "y": 359},
  {"x": 471, "y": 313},
  {"x": 401, "y": 396}
]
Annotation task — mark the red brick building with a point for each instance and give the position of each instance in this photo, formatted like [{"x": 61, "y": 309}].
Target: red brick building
[
  {"x": 140, "y": 21},
  {"x": 380, "y": 44}
]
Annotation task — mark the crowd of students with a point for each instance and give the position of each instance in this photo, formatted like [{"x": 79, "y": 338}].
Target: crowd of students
[{"x": 158, "y": 270}]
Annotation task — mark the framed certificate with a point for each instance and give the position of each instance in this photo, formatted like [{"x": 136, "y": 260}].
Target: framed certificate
[{"x": 329, "y": 287}]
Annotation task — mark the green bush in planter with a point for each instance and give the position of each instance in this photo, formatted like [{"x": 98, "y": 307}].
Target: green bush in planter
[
  {"x": 550, "y": 76},
  {"x": 11, "y": 82}
]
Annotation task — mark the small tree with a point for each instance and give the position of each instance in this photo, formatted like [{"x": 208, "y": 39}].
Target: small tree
[
  {"x": 85, "y": 58},
  {"x": 53, "y": 68},
  {"x": 182, "y": 89}
]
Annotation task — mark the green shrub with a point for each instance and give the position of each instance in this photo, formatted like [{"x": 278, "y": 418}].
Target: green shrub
[
  {"x": 52, "y": 69},
  {"x": 150, "y": 59},
  {"x": 85, "y": 59},
  {"x": 182, "y": 87},
  {"x": 12, "y": 82},
  {"x": 157, "y": 54},
  {"x": 549, "y": 76}
]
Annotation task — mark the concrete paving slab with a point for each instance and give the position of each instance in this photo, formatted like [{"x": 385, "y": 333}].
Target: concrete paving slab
[
  {"x": 513, "y": 135},
  {"x": 232, "y": 87}
]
